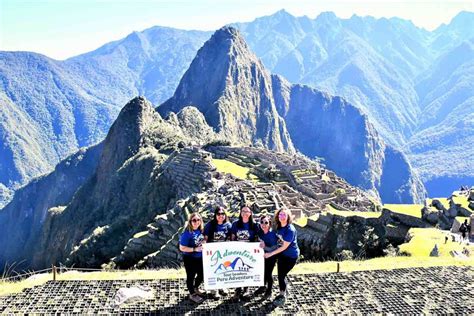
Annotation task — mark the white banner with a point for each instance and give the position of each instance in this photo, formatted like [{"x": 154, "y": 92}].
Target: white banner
[{"x": 232, "y": 264}]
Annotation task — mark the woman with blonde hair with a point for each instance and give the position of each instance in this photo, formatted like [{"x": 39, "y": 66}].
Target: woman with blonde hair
[
  {"x": 190, "y": 245},
  {"x": 288, "y": 251}
]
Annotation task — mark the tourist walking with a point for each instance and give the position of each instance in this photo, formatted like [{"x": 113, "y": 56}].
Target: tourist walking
[
  {"x": 287, "y": 252},
  {"x": 218, "y": 230},
  {"x": 464, "y": 230},
  {"x": 190, "y": 244},
  {"x": 243, "y": 229},
  {"x": 269, "y": 242}
]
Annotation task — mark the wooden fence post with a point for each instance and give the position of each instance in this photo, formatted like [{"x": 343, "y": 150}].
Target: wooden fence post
[{"x": 54, "y": 273}]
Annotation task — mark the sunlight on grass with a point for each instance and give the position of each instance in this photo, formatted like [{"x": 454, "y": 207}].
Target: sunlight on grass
[
  {"x": 384, "y": 263},
  {"x": 406, "y": 209},
  {"x": 443, "y": 201},
  {"x": 302, "y": 221},
  {"x": 140, "y": 234},
  {"x": 234, "y": 169},
  {"x": 462, "y": 200},
  {"x": 424, "y": 239}
]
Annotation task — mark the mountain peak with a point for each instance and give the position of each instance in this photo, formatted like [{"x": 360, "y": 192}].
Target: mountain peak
[
  {"x": 123, "y": 139},
  {"x": 327, "y": 17},
  {"x": 227, "y": 32},
  {"x": 228, "y": 83}
]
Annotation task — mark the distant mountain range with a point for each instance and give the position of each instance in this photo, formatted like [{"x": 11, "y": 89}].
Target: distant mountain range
[{"x": 413, "y": 85}]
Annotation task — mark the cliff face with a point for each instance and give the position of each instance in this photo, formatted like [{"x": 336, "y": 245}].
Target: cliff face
[
  {"x": 230, "y": 86},
  {"x": 247, "y": 105},
  {"x": 130, "y": 187},
  {"x": 22, "y": 219},
  {"x": 325, "y": 126}
]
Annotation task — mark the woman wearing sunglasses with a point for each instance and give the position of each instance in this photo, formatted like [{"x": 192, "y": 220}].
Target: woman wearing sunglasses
[
  {"x": 288, "y": 251},
  {"x": 218, "y": 230},
  {"x": 190, "y": 244},
  {"x": 243, "y": 229},
  {"x": 269, "y": 242}
]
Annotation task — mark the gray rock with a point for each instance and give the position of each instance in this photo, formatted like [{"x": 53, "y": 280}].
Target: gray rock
[{"x": 435, "y": 251}]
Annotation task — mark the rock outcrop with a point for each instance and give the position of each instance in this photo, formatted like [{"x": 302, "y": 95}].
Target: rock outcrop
[{"x": 22, "y": 220}]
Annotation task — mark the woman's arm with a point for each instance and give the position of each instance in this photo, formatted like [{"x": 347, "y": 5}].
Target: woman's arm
[
  {"x": 278, "y": 250},
  {"x": 189, "y": 249}
]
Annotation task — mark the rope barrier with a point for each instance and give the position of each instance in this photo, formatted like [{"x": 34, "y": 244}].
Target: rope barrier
[{"x": 55, "y": 270}]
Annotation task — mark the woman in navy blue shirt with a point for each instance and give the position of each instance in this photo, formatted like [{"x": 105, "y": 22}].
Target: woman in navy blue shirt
[
  {"x": 190, "y": 244},
  {"x": 269, "y": 242},
  {"x": 288, "y": 251},
  {"x": 218, "y": 230},
  {"x": 243, "y": 229}
]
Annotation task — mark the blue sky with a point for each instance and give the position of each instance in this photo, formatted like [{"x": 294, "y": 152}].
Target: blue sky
[{"x": 65, "y": 28}]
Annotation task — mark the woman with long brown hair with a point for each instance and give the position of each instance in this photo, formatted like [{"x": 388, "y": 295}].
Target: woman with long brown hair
[
  {"x": 288, "y": 251},
  {"x": 190, "y": 245},
  {"x": 218, "y": 230},
  {"x": 243, "y": 229},
  {"x": 269, "y": 242}
]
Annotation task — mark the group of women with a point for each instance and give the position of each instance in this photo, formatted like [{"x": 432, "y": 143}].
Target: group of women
[{"x": 279, "y": 244}]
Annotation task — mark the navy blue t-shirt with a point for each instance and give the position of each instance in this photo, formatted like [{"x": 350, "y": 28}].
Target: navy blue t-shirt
[
  {"x": 270, "y": 239},
  {"x": 192, "y": 239},
  {"x": 221, "y": 233},
  {"x": 288, "y": 234},
  {"x": 243, "y": 233}
]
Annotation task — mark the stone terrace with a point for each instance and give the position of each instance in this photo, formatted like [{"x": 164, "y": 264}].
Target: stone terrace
[
  {"x": 303, "y": 185},
  {"x": 437, "y": 290}
]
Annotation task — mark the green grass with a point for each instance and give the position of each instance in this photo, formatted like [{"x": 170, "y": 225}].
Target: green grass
[
  {"x": 234, "y": 169},
  {"x": 461, "y": 219},
  {"x": 384, "y": 263},
  {"x": 444, "y": 201},
  {"x": 424, "y": 239},
  {"x": 302, "y": 221},
  {"x": 462, "y": 200},
  {"x": 140, "y": 234},
  {"x": 406, "y": 209},
  {"x": 334, "y": 211},
  {"x": 325, "y": 178}
]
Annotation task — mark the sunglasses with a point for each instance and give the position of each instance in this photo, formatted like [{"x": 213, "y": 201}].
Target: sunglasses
[
  {"x": 264, "y": 223},
  {"x": 282, "y": 215},
  {"x": 219, "y": 214},
  {"x": 195, "y": 220}
]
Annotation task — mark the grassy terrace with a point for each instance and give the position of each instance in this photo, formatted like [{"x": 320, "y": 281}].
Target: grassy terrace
[
  {"x": 462, "y": 200},
  {"x": 234, "y": 169},
  {"x": 386, "y": 263},
  {"x": 424, "y": 239},
  {"x": 406, "y": 209},
  {"x": 444, "y": 202}
]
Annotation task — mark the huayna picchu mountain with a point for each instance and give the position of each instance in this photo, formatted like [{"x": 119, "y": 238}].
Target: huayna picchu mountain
[
  {"x": 151, "y": 168},
  {"x": 244, "y": 103},
  {"x": 231, "y": 87}
]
